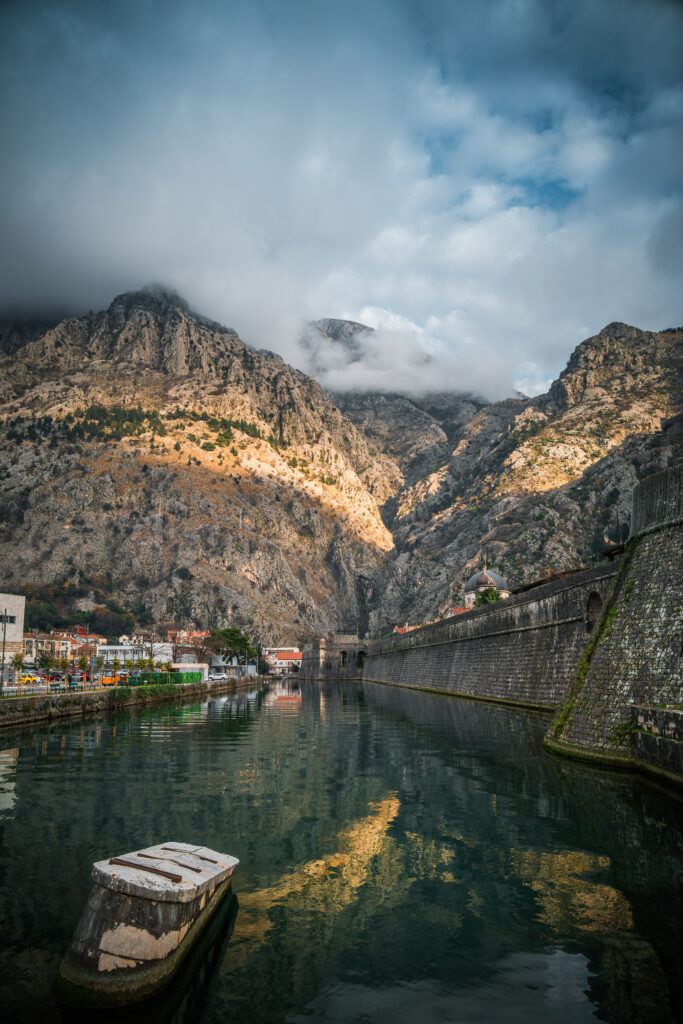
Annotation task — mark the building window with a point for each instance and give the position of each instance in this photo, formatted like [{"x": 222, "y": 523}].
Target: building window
[{"x": 10, "y": 619}]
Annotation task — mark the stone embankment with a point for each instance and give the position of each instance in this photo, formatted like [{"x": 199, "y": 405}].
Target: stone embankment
[{"x": 19, "y": 711}]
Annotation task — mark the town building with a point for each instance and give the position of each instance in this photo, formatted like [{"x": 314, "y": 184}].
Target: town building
[
  {"x": 160, "y": 652},
  {"x": 219, "y": 665},
  {"x": 12, "y": 607},
  {"x": 287, "y": 661},
  {"x": 270, "y": 656},
  {"x": 58, "y": 644},
  {"x": 188, "y": 637},
  {"x": 121, "y": 653}
]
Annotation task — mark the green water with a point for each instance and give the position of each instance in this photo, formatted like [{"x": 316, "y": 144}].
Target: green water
[{"x": 404, "y": 858}]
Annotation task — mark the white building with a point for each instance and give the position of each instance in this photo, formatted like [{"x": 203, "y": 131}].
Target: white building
[
  {"x": 12, "y": 607},
  {"x": 121, "y": 653},
  {"x": 287, "y": 661},
  {"x": 161, "y": 653},
  {"x": 274, "y": 662}
]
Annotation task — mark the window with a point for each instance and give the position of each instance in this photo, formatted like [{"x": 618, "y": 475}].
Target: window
[{"x": 11, "y": 619}]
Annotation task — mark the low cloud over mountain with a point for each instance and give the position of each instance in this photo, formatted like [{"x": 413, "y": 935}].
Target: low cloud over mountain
[{"x": 481, "y": 183}]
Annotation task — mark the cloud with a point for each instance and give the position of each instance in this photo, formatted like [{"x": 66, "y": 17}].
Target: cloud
[{"x": 486, "y": 183}]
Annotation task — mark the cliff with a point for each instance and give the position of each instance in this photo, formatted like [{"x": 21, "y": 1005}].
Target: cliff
[
  {"x": 536, "y": 484},
  {"x": 235, "y": 468}
]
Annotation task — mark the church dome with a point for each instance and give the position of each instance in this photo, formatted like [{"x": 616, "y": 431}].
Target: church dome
[{"x": 485, "y": 579}]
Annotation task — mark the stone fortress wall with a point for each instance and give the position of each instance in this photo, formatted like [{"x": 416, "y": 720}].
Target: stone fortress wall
[
  {"x": 522, "y": 650},
  {"x": 632, "y": 668},
  {"x": 602, "y": 648}
]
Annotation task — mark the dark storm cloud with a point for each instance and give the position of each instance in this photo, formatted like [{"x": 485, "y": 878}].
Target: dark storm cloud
[{"x": 484, "y": 183}]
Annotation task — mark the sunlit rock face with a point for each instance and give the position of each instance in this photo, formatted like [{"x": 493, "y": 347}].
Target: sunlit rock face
[{"x": 239, "y": 469}]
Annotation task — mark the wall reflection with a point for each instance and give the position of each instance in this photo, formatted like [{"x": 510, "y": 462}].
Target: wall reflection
[{"x": 391, "y": 843}]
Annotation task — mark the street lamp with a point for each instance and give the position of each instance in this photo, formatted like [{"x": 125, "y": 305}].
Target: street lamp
[{"x": 2, "y": 670}]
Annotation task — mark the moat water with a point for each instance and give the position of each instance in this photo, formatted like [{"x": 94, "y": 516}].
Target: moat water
[{"x": 404, "y": 858}]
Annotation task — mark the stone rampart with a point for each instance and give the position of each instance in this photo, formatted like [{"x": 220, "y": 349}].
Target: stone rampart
[
  {"x": 658, "y": 739},
  {"x": 658, "y": 501},
  {"x": 522, "y": 650},
  {"x": 634, "y": 657}
]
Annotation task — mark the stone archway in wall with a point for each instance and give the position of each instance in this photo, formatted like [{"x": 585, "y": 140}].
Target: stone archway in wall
[
  {"x": 360, "y": 659},
  {"x": 593, "y": 609},
  {"x": 342, "y": 659}
]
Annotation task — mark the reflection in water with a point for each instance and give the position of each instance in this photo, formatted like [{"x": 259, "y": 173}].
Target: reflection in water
[
  {"x": 8, "y": 764},
  {"x": 183, "y": 1000},
  {"x": 332, "y": 881},
  {"x": 403, "y": 857},
  {"x": 524, "y": 987}
]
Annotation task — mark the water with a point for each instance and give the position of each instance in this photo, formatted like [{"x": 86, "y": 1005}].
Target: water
[{"x": 405, "y": 857}]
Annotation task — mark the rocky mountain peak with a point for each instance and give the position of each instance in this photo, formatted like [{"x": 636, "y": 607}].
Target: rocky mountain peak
[
  {"x": 153, "y": 327},
  {"x": 329, "y": 340},
  {"x": 618, "y": 351},
  {"x": 152, "y": 298},
  {"x": 341, "y": 330}
]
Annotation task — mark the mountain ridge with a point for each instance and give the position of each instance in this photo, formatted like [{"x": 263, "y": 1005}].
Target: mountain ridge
[{"x": 295, "y": 510}]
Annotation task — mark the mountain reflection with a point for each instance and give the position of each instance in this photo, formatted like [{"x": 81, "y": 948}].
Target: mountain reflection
[{"x": 403, "y": 857}]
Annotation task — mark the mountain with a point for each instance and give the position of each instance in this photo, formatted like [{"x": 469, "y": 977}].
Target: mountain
[
  {"x": 541, "y": 484},
  {"x": 234, "y": 467},
  {"x": 152, "y": 462},
  {"x": 418, "y": 433}
]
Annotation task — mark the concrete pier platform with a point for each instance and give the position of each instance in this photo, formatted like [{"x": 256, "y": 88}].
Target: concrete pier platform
[{"x": 144, "y": 913}]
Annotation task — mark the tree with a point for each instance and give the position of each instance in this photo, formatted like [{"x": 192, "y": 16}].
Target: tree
[
  {"x": 17, "y": 665},
  {"x": 46, "y": 661},
  {"x": 83, "y": 662},
  {"x": 231, "y": 643},
  {"x": 488, "y": 596},
  {"x": 116, "y": 665},
  {"x": 63, "y": 665}
]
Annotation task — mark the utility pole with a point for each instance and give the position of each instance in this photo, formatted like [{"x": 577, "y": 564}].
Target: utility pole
[
  {"x": 2, "y": 671},
  {"x": 89, "y": 649}
]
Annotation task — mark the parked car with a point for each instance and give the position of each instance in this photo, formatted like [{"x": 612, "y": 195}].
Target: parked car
[{"x": 29, "y": 679}]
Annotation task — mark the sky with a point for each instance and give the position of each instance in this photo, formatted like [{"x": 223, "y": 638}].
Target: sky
[{"x": 485, "y": 182}]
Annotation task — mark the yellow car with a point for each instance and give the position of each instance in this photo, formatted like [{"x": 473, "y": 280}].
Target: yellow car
[{"x": 30, "y": 680}]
